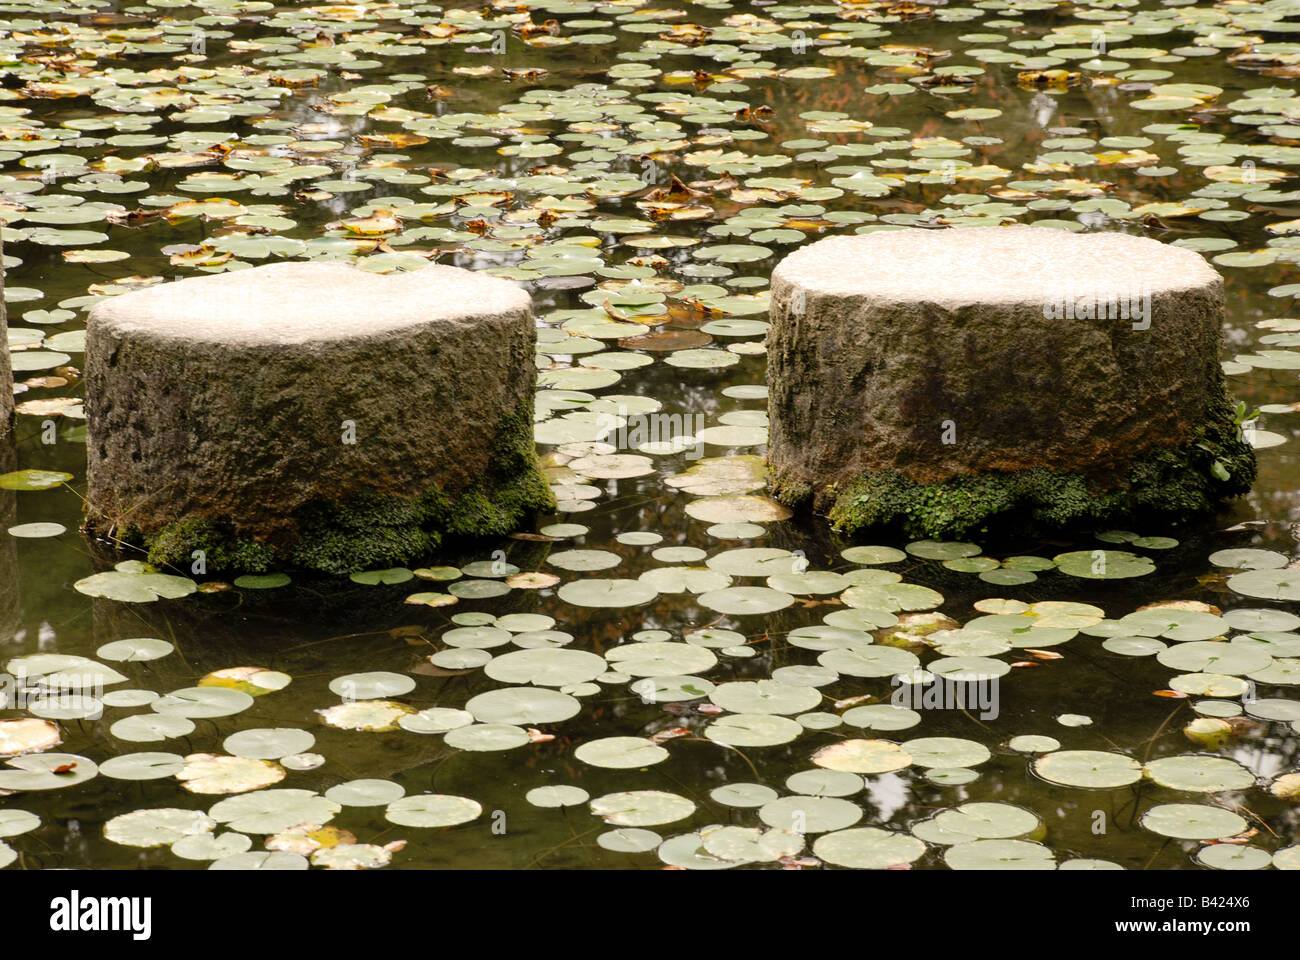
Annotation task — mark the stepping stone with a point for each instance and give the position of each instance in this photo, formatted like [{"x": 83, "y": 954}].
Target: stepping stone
[
  {"x": 311, "y": 415},
  {"x": 949, "y": 381}
]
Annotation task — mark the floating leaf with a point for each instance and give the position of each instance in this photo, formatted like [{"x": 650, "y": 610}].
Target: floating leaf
[
  {"x": 862, "y": 756},
  {"x": 1088, "y": 768},
  {"x": 1192, "y": 821}
]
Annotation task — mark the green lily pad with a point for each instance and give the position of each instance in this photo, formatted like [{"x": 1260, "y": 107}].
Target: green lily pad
[
  {"x": 882, "y": 716},
  {"x": 561, "y": 795},
  {"x": 486, "y": 737},
  {"x": 1267, "y": 584},
  {"x": 621, "y": 753},
  {"x": 743, "y": 795},
  {"x": 805, "y": 814},
  {"x": 765, "y": 696},
  {"x": 1233, "y": 856},
  {"x": 1200, "y": 774},
  {"x": 999, "y": 855},
  {"x": 365, "y": 793},
  {"x": 142, "y": 766},
  {"x": 432, "y": 810},
  {"x": 519, "y": 705},
  {"x": 135, "y": 587},
  {"x": 1192, "y": 821},
  {"x": 753, "y": 730},
  {"x": 978, "y": 821},
  {"x": 742, "y": 601},
  {"x": 1098, "y": 769},
  {"x": 868, "y": 848},
  {"x": 945, "y": 752},
  {"x": 268, "y": 743},
  {"x": 629, "y": 840},
  {"x": 546, "y": 667},
  {"x": 595, "y": 592},
  {"x": 660, "y": 659},
  {"x": 135, "y": 650},
  {"x": 824, "y": 783},
  {"x": 371, "y": 686},
  {"x": 1103, "y": 564}
]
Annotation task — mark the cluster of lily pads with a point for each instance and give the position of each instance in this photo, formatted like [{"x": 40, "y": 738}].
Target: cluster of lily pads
[{"x": 873, "y": 645}]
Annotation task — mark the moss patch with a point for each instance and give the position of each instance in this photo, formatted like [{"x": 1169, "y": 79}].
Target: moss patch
[
  {"x": 1169, "y": 484},
  {"x": 199, "y": 545},
  {"x": 370, "y": 531}
]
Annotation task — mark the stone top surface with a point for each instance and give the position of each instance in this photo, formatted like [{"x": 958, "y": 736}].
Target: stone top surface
[
  {"x": 991, "y": 265},
  {"x": 286, "y": 303}
]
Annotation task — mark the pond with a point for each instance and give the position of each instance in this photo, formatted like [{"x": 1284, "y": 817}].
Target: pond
[{"x": 668, "y": 671}]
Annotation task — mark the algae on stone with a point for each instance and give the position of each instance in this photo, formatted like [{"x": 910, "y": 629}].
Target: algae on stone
[
  {"x": 1164, "y": 483},
  {"x": 374, "y": 530}
]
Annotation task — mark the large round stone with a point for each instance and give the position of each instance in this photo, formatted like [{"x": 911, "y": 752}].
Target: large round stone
[
  {"x": 940, "y": 380},
  {"x": 311, "y": 415}
]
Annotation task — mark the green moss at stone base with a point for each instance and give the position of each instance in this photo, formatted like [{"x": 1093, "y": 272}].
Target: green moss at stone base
[
  {"x": 184, "y": 544},
  {"x": 372, "y": 531},
  {"x": 1168, "y": 483},
  {"x": 792, "y": 493}
]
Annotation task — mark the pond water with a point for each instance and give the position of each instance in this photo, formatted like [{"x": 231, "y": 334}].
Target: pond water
[{"x": 140, "y": 143}]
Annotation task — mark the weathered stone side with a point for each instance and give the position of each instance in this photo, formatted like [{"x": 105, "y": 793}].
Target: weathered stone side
[
  {"x": 334, "y": 446},
  {"x": 939, "y": 410}
]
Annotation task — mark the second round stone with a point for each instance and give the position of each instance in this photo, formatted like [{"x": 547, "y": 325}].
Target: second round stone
[{"x": 949, "y": 382}]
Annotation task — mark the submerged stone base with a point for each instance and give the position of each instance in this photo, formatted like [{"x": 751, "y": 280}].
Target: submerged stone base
[
  {"x": 311, "y": 416},
  {"x": 1012, "y": 379},
  {"x": 368, "y": 530}
]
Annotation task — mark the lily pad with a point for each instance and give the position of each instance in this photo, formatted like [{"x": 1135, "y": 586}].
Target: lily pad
[
  {"x": 862, "y": 756},
  {"x": 1097, "y": 769},
  {"x": 432, "y": 810},
  {"x": 1192, "y": 821}
]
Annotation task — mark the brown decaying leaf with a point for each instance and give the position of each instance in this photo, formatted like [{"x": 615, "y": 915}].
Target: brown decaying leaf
[
  {"x": 851, "y": 701},
  {"x": 672, "y": 733}
]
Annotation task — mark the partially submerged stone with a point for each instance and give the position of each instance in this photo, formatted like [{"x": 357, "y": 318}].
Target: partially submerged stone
[
  {"x": 950, "y": 381},
  {"x": 311, "y": 415}
]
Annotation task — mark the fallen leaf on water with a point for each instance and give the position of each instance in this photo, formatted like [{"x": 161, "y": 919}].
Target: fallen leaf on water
[{"x": 672, "y": 733}]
